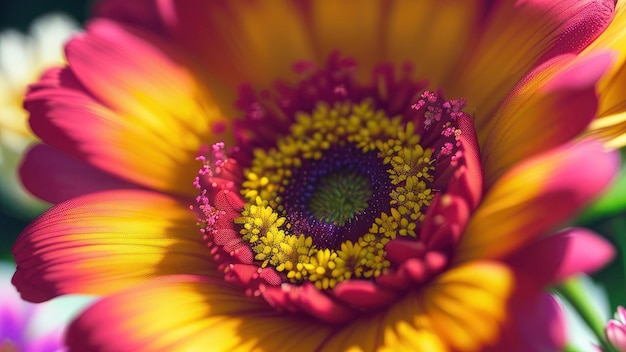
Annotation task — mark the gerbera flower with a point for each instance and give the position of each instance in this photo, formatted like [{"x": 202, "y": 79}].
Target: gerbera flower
[
  {"x": 380, "y": 176},
  {"x": 22, "y": 59}
]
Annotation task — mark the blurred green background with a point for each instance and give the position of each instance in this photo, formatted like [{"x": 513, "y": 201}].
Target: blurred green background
[{"x": 19, "y": 13}]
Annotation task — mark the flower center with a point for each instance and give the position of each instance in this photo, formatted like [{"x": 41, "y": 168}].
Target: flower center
[
  {"x": 320, "y": 184},
  {"x": 325, "y": 199},
  {"x": 337, "y": 197},
  {"x": 340, "y": 197}
]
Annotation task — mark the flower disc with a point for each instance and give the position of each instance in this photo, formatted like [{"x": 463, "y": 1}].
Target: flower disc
[{"x": 318, "y": 200}]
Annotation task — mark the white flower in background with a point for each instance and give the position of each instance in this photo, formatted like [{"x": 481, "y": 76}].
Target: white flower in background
[
  {"x": 23, "y": 58},
  {"x": 28, "y": 327}
]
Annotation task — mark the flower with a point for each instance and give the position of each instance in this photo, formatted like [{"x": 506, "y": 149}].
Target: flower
[
  {"x": 22, "y": 59},
  {"x": 382, "y": 181},
  {"x": 616, "y": 330},
  {"x": 28, "y": 327}
]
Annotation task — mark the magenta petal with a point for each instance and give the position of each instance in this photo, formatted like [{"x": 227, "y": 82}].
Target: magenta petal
[
  {"x": 583, "y": 21},
  {"x": 55, "y": 177},
  {"x": 363, "y": 294},
  {"x": 137, "y": 12},
  {"x": 569, "y": 252},
  {"x": 401, "y": 249},
  {"x": 308, "y": 299},
  {"x": 544, "y": 112},
  {"x": 543, "y": 324},
  {"x": 584, "y": 74},
  {"x": 471, "y": 179},
  {"x": 616, "y": 334},
  {"x": 586, "y": 252},
  {"x": 445, "y": 221}
]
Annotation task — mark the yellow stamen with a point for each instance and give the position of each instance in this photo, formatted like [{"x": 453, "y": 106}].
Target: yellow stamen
[{"x": 263, "y": 222}]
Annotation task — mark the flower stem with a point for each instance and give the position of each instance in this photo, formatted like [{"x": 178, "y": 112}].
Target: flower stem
[{"x": 574, "y": 293}]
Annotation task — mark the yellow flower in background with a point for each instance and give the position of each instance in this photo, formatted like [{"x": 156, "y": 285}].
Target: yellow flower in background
[{"x": 23, "y": 58}]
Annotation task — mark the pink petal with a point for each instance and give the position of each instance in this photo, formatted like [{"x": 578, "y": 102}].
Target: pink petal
[
  {"x": 546, "y": 110},
  {"x": 539, "y": 325},
  {"x": 582, "y": 22},
  {"x": 616, "y": 334},
  {"x": 544, "y": 324},
  {"x": 142, "y": 13},
  {"x": 128, "y": 106},
  {"x": 363, "y": 294},
  {"x": 536, "y": 196},
  {"x": 585, "y": 252},
  {"x": 103, "y": 242},
  {"x": 519, "y": 36},
  {"x": 567, "y": 253},
  {"x": 470, "y": 183},
  {"x": 55, "y": 177}
]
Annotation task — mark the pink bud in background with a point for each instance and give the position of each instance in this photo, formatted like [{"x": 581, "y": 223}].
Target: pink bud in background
[{"x": 616, "y": 330}]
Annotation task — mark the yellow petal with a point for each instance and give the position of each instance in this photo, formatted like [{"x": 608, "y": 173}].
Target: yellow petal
[
  {"x": 430, "y": 34},
  {"x": 531, "y": 199},
  {"x": 192, "y": 313},
  {"x": 610, "y": 125},
  {"x": 140, "y": 114},
  {"x": 467, "y": 304}
]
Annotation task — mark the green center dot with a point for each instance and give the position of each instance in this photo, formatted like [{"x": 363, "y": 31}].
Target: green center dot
[{"x": 340, "y": 196}]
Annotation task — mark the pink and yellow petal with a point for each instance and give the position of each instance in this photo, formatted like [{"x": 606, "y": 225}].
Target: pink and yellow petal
[
  {"x": 460, "y": 310},
  {"x": 137, "y": 114},
  {"x": 83, "y": 128},
  {"x": 186, "y": 313},
  {"x": 534, "y": 197},
  {"x": 404, "y": 328},
  {"x": 550, "y": 107},
  {"x": 103, "y": 242},
  {"x": 466, "y": 304},
  {"x": 611, "y": 122},
  {"x": 519, "y": 35},
  {"x": 543, "y": 323},
  {"x": 538, "y": 324},
  {"x": 153, "y": 82},
  {"x": 610, "y": 125},
  {"x": 562, "y": 255}
]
